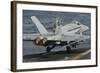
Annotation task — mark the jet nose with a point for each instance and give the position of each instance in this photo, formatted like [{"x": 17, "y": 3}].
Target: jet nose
[{"x": 84, "y": 27}]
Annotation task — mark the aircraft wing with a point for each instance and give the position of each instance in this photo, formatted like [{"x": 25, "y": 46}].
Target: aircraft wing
[
  {"x": 74, "y": 27},
  {"x": 75, "y": 37},
  {"x": 67, "y": 27},
  {"x": 30, "y": 37},
  {"x": 40, "y": 27}
]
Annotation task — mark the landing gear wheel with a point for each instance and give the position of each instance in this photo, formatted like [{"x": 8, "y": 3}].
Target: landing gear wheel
[
  {"x": 68, "y": 49},
  {"x": 48, "y": 49}
]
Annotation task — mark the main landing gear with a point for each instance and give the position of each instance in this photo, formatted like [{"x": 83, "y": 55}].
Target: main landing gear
[
  {"x": 49, "y": 48},
  {"x": 68, "y": 48}
]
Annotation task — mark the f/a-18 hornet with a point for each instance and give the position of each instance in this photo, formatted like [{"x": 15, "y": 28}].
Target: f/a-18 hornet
[{"x": 69, "y": 35}]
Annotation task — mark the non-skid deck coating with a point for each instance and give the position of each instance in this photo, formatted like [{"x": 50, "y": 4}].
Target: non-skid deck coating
[{"x": 77, "y": 54}]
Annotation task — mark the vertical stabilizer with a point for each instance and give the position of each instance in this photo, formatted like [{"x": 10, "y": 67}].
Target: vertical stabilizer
[{"x": 40, "y": 27}]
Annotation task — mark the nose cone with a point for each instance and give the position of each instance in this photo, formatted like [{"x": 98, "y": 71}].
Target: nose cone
[{"x": 84, "y": 27}]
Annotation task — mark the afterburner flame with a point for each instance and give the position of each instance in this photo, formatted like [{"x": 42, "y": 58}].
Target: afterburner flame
[{"x": 39, "y": 41}]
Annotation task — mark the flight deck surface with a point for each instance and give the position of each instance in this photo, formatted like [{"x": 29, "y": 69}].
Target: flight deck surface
[{"x": 77, "y": 54}]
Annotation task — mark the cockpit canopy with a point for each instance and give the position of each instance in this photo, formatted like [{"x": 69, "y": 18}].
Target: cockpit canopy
[{"x": 75, "y": 22}]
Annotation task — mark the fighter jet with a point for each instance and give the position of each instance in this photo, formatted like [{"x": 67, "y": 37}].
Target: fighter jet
[{"x": 69, "y": 35}]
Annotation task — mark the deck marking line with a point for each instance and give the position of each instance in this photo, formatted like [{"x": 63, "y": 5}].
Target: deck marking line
[{"x": 82, "y": 54}]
